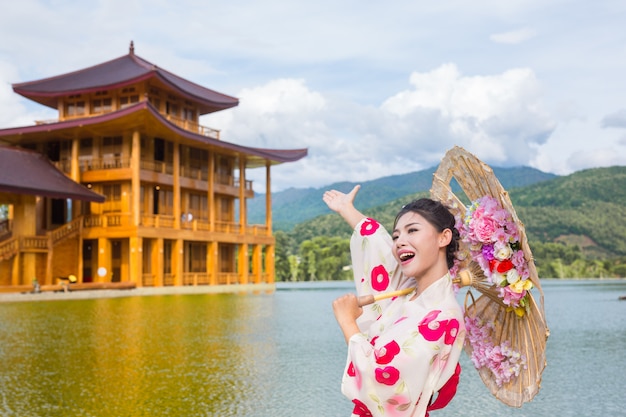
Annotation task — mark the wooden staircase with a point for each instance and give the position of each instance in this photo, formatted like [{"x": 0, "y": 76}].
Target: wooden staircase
[{"x": 63, "y": 237}]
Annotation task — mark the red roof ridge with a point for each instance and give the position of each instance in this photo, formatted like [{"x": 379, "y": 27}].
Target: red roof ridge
[{"x": 117, "y": 73}]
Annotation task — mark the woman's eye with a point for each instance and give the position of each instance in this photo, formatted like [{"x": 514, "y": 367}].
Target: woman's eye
[
  {"x": 411, "y": 230},
  {"x": 394, "y": 238}
]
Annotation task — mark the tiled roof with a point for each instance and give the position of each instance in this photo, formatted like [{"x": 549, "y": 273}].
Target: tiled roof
[
  {"x": 255, "y": 157},
  {"x": 28, "y": 172},
  {"x": 117, "y": 73}
]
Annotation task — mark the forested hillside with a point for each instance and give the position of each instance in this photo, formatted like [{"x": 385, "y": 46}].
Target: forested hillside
[
  {"x": 296, "y": 205},
  {"x": 575, "y": 226}
]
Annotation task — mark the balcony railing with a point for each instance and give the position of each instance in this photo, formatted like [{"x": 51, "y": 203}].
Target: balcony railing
[
  {"x": 227, "y": 278},
  {"x": 188, "y": 125},
  {"x": 166, "y": 221},
  {"x": 119, "y": 162},
  {"x": 107, "y": 220},
  {"x": 195, "y": 278},
  {"x": 156, "y": 220},
  {"x": 194, "y": 127},
  {"x": 157, "y": 166}
]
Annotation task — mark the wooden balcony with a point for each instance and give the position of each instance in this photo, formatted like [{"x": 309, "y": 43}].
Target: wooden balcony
[
  {"x": 188, "y": 125},
  {"x": 167, "y": 222},
  {"x": 194, "y": 127},
  {"x": 159, "y": 167}
]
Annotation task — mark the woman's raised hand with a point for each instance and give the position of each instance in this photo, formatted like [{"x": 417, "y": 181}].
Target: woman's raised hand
[
  {"x": 338, "y": 201},
  {"x": 343, "y": 204}
]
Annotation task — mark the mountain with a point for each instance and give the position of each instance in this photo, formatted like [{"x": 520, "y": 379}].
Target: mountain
[
  {"x": 296, "y": 205},
  {"x": 585, "y": 209}
]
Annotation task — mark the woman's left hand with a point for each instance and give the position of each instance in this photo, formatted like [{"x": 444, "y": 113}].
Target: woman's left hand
[{"x": 347, "y": 310}]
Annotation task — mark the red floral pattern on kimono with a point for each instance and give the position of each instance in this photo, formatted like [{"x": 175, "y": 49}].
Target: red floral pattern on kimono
[{"x": 408, "y": 349}]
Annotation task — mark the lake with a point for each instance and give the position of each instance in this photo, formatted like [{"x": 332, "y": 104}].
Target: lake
[{"x": 277, "y": 354}]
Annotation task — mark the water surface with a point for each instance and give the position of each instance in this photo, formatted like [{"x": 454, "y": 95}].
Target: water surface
[{"x": 272, "y": 355}]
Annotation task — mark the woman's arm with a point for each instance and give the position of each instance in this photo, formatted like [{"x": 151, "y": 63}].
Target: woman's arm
[
  {"x": 343, "y": 204},
  {"x": 347, "y": 310}
]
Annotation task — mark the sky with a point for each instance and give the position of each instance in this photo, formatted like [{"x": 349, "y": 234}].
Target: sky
[{"x": 371, "y": 88}]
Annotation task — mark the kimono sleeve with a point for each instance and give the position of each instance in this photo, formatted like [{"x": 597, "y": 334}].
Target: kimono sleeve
[
  {"x": 375, "y": 269},
  {"x": 396, "y": 374}
]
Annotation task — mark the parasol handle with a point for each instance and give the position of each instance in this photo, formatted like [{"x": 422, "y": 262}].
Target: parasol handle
[
  {"x": 370, "y": 299},
  {"x": 464, "y": 278}
]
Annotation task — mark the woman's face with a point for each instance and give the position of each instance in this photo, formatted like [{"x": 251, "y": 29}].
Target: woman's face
[{"x": 419, "y": 247}]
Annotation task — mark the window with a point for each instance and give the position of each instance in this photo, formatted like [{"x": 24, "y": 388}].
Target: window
[
  {"x": 171, "y": 109},
  {"x": 112, "y": 145},
  {"x": 101, "y": 105},
  {"x": 167, "y": 257},
  {"x": 113, "y": 194},
  {"x": 196, "y": 253},
  {"x": 74, "y": 106},
  {"x": 188, "y": 114},
  {"x": 225, "y": 212},
  {"x": 163, "y": 201},
  {"x": 195, "y": 158},
  {"x": 156, "y": 103},
  {"x": 126, "y": 101},
  {"x": 65, "y": 155},
  {"x": 85, "y": 147},
  {"x": 198, "y": 206}
]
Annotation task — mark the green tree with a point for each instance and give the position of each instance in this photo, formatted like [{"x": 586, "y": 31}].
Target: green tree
[
  {"x": 294, "y": 268},
  {"x": 281, "y": 260}
]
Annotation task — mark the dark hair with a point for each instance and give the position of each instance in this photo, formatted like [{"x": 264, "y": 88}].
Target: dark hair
[{"x": 437, "y": 215}]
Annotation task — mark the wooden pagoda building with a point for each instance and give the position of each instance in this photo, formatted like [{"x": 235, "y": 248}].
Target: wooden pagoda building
[{"x": 174, "y": 210}]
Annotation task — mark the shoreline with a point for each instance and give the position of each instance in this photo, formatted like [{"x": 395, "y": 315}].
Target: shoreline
[{"x": 135, "y": 292}]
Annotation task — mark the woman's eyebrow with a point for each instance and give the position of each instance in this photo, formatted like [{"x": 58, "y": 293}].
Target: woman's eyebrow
[{"x": 416, "y": 223}]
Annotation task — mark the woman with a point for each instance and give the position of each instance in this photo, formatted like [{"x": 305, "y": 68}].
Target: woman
[{"x": 402, "y": 350}]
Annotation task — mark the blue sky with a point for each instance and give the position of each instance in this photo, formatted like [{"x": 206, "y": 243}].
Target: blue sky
[{"x": 371, "y": 88}]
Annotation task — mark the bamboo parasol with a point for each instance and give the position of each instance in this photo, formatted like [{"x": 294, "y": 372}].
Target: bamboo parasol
[{"x": 495, "y": 331}]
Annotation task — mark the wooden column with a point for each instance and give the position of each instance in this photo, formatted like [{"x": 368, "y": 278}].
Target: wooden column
[
  {"x": 177, "y": 196},
  {"x": 135, "y": 168},
  {"x": 268, "y": 198},
  {"x": 135, "y": 263},
  {"x": 243, "y": 263},
  {"x": 211, "y": 192},
  {"x": 269, "y": 249},
  {"x": 212, "y": 262},
  {"x": 269, "y": 264},
  {"x": 16, "y": 271},
  {"x": 104, "y": 260},
  {"x": 257, "y": 266},
  {"x": 75, "y": 176},
  {"x": 177, "y": 261},
  {"x": 24, "y": 224},
  {"x": 243, "y": 216},
  {"x": 157, "y": 261},
  {"x": 79, "y": 261}
]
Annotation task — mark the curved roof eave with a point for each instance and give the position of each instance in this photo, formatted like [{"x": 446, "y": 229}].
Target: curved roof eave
[
  {"x": 29, "y": 172},
  {"x": 117, "y": 73},
  {"x": 255, "y": 157}
]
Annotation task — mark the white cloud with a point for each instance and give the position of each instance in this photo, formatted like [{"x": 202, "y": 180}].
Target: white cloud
[
  {"x": 617, "y": 119},
  {"x": 13, "y": 111},
  {"x": 498, "y": 116},
  {"x": 361, "y": 85},
  {"x": 514, "y": 36},
  {"x": 603, "y": 157}
]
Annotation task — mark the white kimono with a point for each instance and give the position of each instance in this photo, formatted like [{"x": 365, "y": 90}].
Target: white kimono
[{"x": 407, "y": 349}]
